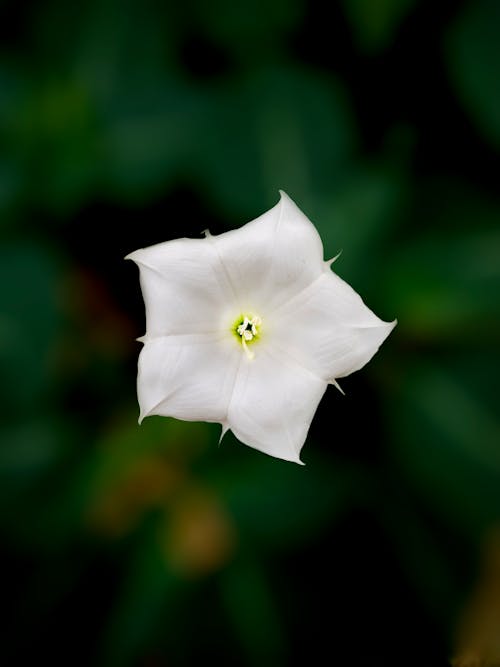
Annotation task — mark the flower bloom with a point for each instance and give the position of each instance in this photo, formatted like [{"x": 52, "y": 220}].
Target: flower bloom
[{"x": 248, "y": 328}]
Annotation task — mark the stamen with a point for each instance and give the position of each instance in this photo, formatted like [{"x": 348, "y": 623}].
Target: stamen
[{"x": 247, "y": 330}]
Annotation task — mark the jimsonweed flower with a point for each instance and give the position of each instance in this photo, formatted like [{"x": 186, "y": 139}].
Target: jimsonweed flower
[{"x": 248, "y": 328}]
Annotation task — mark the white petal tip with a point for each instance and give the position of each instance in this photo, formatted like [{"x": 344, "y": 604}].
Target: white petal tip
[
  {"x": 225, "y": 429},
  {"x": 329, "y": 262},
  {"x": 290, "y": 459},
  {"x": 337, "y": 386},
  {"x": 287, "y": 459},
  {"x": 145, "y": 413},
  {"x": 130, "y": 256},
  {"x": 141, "y": 339},
  {"x": 388, "y": 326},
  {"x": 206, "y": 233}
]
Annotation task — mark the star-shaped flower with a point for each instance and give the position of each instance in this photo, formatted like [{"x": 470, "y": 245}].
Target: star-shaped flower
[{"x": 248, "y": 328}]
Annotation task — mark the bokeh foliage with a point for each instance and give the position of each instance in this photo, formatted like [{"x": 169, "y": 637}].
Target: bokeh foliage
[{"x": 128, "y": 123}]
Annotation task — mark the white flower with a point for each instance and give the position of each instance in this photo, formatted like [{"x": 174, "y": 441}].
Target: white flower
[{"x": 248, "y": 328}]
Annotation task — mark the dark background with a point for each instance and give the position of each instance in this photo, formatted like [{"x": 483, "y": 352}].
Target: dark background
[{"x": 128, "y": 123}]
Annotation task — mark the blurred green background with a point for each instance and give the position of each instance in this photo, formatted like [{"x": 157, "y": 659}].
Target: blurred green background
[{"x": 129, "y": 123}]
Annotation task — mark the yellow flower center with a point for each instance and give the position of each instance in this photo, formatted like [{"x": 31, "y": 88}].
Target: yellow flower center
[{"x": 247, "y": 329}]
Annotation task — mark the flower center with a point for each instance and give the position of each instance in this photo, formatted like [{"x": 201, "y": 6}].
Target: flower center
[{"x": 247, "y": 330}]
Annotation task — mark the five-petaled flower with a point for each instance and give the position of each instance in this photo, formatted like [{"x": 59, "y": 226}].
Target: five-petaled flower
[{"x": 248, "y": 328}]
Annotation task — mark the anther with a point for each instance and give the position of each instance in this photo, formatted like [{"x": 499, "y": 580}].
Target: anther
[{"x": 247, "y": 330}]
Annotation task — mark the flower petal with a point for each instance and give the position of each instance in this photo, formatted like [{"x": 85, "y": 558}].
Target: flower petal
[
  {"x": 188, "y": 377},
  {"x": 184, "y": 287},
  {"x": 314, "y": 329},
  {"x": 273, "y": 403},
  {"x": 328, "y": 329},
  {"x": 272, "y": 257}
]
